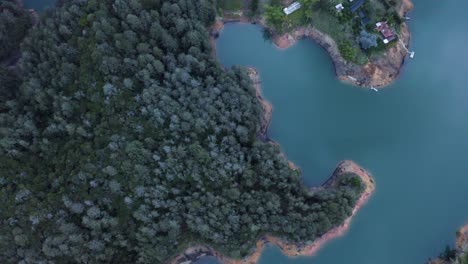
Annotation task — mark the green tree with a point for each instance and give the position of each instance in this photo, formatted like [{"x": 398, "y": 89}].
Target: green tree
[
  {"x": 347, "y": 51},
  {"x": 367, "y": 40},
  {"x": 275, "y": 17}
]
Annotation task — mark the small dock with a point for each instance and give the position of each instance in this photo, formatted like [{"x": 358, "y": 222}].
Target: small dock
[{"x": 411, "y": 53}]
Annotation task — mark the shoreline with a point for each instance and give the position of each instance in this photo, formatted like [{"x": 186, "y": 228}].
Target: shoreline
[
  {"x": 195, "y": 252},
  {"x": 379, "y": 72},
  {"x": 289, "y": 249},
  {"x": 267, "y": 113},
  {"x": 266, "y": 106},
  {"x": 462, "y": 237},
  {"x": 461, "y": 246}
]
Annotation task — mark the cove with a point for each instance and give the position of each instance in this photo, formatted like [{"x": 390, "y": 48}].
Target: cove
[{"x": 412, "y": 136}]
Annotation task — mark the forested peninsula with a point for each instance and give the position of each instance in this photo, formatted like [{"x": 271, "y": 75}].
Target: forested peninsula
[
  {"x": 123, "y": 140},
  {"x": 351, "y": 38}
]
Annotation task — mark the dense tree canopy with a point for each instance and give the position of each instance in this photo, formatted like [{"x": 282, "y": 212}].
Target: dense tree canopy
[
  {"x": 14, "y": 22},
  {"x": 125, "y": 142}
]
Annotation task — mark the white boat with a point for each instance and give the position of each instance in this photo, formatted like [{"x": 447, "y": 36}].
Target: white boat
[
  {"x": 373, "y": 88},
  {"x": 411, "y": 54}
]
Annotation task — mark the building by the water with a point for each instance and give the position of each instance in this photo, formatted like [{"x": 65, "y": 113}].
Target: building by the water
[
  {"x": 293, "y": 7},
  {"x": 386, "y": 32}
]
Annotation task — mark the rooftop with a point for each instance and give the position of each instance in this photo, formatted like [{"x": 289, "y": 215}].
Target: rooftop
[
  {"x": 293, "y": 7},
  {"x": 356, "y": 5},
  {"x": 385, "y": 29},
  {"x": 339, "y": 7}
]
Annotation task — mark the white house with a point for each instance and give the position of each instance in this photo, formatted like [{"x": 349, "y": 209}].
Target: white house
[
  {"x": 339, "y": 7},
  {"x": 293, "y": 7}
]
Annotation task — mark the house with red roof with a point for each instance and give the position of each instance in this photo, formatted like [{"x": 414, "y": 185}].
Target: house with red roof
[{"x": 386, "y": 32}]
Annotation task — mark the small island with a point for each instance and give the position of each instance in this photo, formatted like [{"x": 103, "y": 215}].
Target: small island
[{"x": 366, "y": 39}]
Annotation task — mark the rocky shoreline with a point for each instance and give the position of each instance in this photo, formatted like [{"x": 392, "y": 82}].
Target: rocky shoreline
[
  {"x": 462, "y": 238},
  {"x": 266, "y": 106},
  {"x": 379, "y": 72}
]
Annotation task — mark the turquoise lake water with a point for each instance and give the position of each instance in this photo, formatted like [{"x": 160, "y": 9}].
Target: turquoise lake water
[{"x": 412, "y": 136}]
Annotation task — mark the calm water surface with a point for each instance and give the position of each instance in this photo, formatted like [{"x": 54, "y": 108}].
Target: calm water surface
[{"x": 413, "y": 136}]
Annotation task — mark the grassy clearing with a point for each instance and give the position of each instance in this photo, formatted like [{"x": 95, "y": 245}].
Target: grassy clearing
[
  {"x": 230, "y": 5},
  {"x": 297, "y": 18},
  {"x": 329, "y": 24}
]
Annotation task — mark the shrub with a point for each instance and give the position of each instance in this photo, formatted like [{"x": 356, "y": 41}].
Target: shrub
[
  {"x": 347, "y": 51},
  {"x": 367, "y": 40}
]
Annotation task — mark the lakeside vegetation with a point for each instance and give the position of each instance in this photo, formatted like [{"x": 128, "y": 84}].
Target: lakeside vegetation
[
  {"x": 451, "y": 256},
  {"x": 457, "y": 255},
  {"x": 123, "y": 140},
  {"x": 357, "y": 37}
]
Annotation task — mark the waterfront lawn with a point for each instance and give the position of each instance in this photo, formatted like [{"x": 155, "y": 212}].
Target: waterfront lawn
[
  {"x": 342, "y": 33},
  {"x": 297, "y": 18},
  {"x": 329, "y": 24}
]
